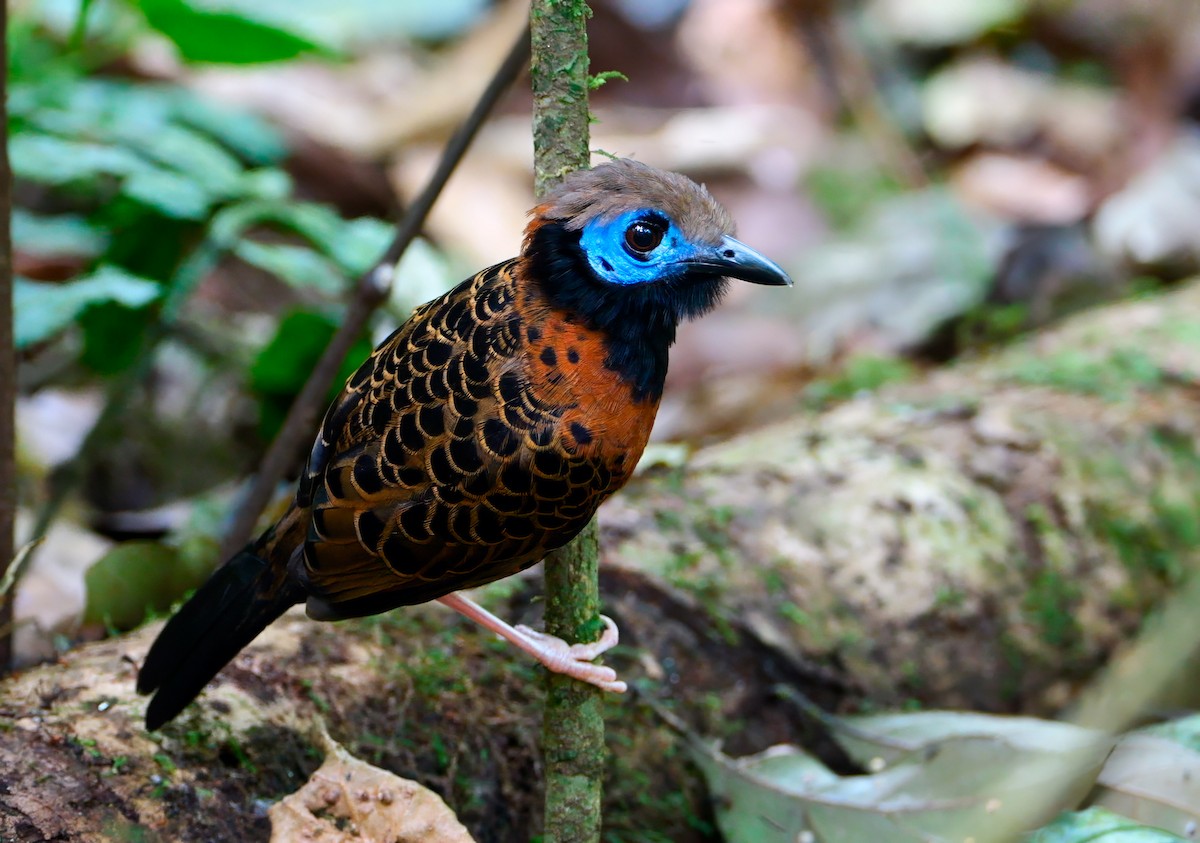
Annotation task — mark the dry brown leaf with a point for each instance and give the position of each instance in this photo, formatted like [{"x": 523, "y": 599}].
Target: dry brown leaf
[{"x": 349, "y": 801}]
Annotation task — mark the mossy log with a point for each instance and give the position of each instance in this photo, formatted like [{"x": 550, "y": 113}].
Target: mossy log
[{"x": 982, "y": 538}]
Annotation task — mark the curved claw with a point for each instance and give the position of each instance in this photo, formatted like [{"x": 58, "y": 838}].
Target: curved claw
[{"x": 574, "y": 660}]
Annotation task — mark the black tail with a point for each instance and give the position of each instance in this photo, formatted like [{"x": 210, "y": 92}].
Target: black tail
[{"x": 238, "y": 602}]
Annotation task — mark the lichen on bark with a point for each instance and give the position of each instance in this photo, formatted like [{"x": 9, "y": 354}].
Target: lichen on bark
[{"x": 573, "y": 732}]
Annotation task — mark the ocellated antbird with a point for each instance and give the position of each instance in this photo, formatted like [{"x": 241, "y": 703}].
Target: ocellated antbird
[{"x": 485, "y": 431}]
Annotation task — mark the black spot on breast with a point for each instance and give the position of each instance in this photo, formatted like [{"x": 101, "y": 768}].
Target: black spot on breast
[
  {"x": 499, "y": 438},
  {"x": 366, "y": 475},
  {"x": 534, "y": 333},
  {"x": 432, "y": 420},
  {"x": 465, "y": 454},
  {"x": 542, "y": 436},
  {"x": 412, "y": 522},
  {"x": 549, "y": 357},
  {"x": 441, "y": 469},
  {"x": 572, "y": 355},
  {"x": 437, "y": 353},
  {"x": 370, "y": 528},
  {"x": 581, "y": 433}
]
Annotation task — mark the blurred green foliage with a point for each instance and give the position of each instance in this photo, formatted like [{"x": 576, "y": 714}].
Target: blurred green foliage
[
  {"x": 128, "y": 195},
  {"x": 132, "y": 180}
]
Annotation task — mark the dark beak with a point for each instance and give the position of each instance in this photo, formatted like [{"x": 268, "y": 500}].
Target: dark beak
[{"x": 734, "y": 259}]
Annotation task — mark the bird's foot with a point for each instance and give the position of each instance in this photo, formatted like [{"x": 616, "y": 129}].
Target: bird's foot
[{"x": 575, "y": 660}]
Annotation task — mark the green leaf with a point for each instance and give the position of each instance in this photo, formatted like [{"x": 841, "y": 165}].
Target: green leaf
[
  {"x": 299, "y": 266},
  {"x": 171, "y": 194},
  {"x": 50, "y": 160},
  {"x": 192, "y": 154},
  {"x": 65, "y": 235},
  {"x": 42, "y": 310},
  {"x": 286, "y": 361},
  {"x": 348, "y": 23},
  {"x": 112, "y": 336},
  {"x": 359, "y": 243},
  {"x": 207, "y": 35},
  {"x": 946, "y": 781},
  {"x": 1097, "y": 825},
  {"x": 136, "y": 577},
  {"x": 1154, "y": 776},
  {"x": 284, "y": 364},
  {"x": 248, "y": 135},
  {"x": 893, "y": 737}
]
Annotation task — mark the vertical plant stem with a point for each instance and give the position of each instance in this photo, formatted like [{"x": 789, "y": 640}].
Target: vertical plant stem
[
  {"x": 8, "y": 363},
  {"x": 573, "y": 726}
]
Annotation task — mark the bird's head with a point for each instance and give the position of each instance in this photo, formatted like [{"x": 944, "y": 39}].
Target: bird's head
[{"x": 635, "y": 231}]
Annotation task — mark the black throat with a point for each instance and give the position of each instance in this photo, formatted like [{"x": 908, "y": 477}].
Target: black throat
[{"x": 638, "y": 321}]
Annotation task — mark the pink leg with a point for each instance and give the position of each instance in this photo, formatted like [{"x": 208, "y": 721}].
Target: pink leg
[{"x": 557, "y": 655}]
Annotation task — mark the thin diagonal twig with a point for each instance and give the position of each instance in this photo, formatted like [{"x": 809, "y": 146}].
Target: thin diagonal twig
[{"x": 370, "y": 291}]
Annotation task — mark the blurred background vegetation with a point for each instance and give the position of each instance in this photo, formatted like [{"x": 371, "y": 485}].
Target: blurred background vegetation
[{"x": 199, "y": 182}]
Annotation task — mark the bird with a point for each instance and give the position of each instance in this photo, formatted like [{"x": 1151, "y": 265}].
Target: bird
[{"x": 484, "y": 432}]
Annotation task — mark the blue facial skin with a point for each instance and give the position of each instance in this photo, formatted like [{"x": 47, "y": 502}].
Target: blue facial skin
[{"x": 603, "y": 243}]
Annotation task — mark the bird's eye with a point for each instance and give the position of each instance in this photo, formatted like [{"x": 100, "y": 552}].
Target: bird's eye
[{"x": 643, "y": 236}]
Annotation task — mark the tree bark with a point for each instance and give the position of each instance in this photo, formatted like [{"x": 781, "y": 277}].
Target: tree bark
[
  {"x": 982, "y": 538},
  {"x": 8, "y": 366},
  {"x": 573, "y": 722}
]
